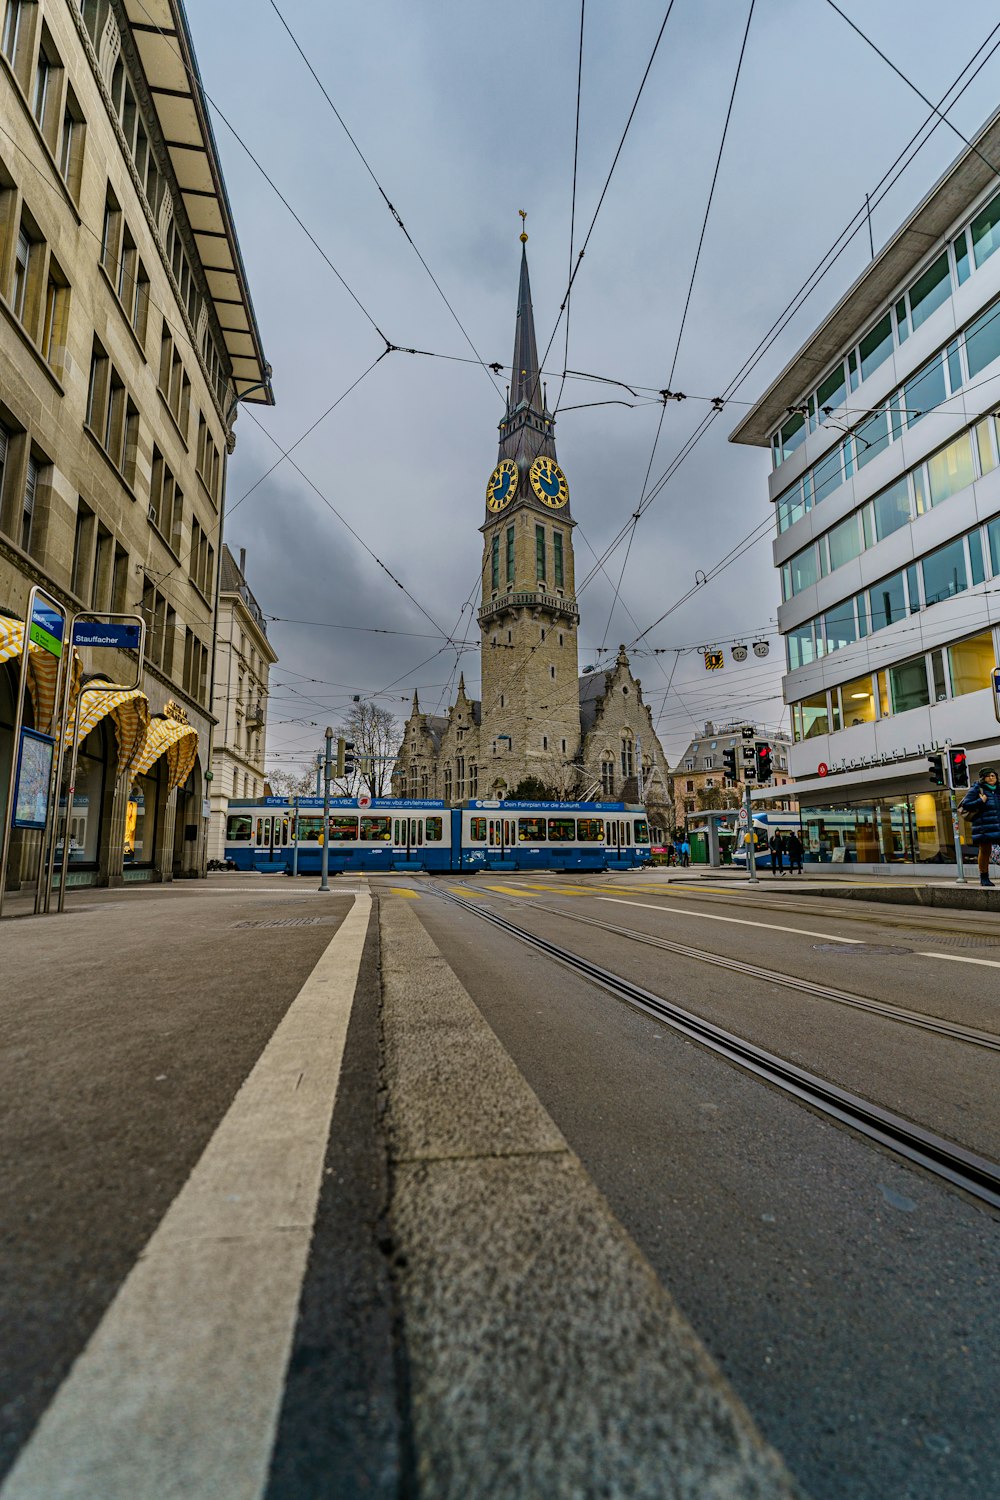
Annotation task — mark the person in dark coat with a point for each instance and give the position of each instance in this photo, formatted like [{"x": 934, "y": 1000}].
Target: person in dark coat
[
  {"x": 981, "y": 805},
  {"x": 776, "y": 844},
  {"x": 795, "y": 853}
]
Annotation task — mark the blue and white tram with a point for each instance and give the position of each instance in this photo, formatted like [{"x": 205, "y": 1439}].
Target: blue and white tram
[{"x": 387, "y": 833}]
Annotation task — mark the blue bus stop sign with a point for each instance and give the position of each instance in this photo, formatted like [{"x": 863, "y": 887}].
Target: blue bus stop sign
[{"x": 123, "y": 635}]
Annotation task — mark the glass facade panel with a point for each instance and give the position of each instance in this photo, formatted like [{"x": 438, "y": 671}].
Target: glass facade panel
[
  {"x": 892, "y": 508},
  {"x": 861, "y": 605},
  {"x": 951, "y": 470},
  {"x": 993, "y": 534},
  {"x": 876, "y": 346},
  {"x": 845, "y": 542},
  {"x": 929, "y": 290},
  {"x": 887, "y": 601},
  {"x": 799, "y": 645},
  {"x": 858, "y": 702},
  {"x": 954, "y": 367},
  {"x": 832, "y": 392},
  {"x": 84, "y": 833},
  {"x": 984, "y": 446},
  {"x": 803, "y": 569},
  {"x": 961, "y": 249},
  {"x": 972, "y": 663},
  {"x": 791, "y": 506},
  {"x": 872, "y": 437},
  {"x": 815, "y": 719},
  {"x": 945, "y": 572},
  {"x": 925, "y": 390},
  {"x": 840, "y": 627},
  {"x": 977, "y": 565},
  {"x": 982, "y": 340},
  {"x": 985, "y": 232},
  {"x": 910, "y": 829},
  {"x": 908, "y": 685},
  {"x": 140, "y": 817},
  {"x": 827, "y": 475},
  {"x": 792, "y": 435}
]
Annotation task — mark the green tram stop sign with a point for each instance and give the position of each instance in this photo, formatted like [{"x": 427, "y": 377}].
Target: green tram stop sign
[{"x": 47, "y": 628}]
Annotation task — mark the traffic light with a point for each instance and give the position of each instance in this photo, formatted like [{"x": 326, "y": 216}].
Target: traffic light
[
  {"x": 959, "y": 767},
  {"x": 935, "y": 764},
  {"x": 345, "y": 757},
  {"x": 729, "y": 761},
  {"x": 763, "y": 762}
]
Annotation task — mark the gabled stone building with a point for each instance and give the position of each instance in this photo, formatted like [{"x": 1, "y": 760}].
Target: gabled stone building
[{"x": 586, "y": 737}]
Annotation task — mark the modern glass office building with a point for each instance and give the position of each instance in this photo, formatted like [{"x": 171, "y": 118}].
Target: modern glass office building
[{"x": 884, "y": 434}]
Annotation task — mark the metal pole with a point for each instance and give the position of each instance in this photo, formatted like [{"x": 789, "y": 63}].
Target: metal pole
[
  {"x": 955, "y": 830},
  {"x": 324, "y": 884},
  {"x": 295, "y": 837},
  {"x": 74, "y": 757},
  {"x": 15, "y": 742},
  {"x": 61, "y": 726},
  {"x": 751, "y": 856}
]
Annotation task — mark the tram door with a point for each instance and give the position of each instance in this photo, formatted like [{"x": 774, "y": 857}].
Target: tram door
[
  {"x": 614, "y": 839},
  {"x": 408, "y": 834},
  {"x": 268, "y": 835}
]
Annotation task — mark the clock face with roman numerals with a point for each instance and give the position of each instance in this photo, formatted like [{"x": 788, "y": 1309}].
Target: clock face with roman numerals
[
  {"x": 502, "y": 485},
  {"x": 549, "y": 482}
]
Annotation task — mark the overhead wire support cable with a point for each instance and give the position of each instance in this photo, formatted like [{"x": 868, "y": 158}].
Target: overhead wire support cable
[
  {"x": 825, "y": 264},
  {"x": 572, "y": 210},
  {"x": 385, "y": 197}
]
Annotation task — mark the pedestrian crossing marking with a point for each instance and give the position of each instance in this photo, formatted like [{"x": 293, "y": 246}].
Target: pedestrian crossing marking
[
  {"x": 398, "y": 890},
  {"x": 508, "y": 890}
]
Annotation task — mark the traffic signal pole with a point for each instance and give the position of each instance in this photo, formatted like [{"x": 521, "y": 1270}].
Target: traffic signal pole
[
  {"x": 324, "y": 884},
  {"x": 955, "y": 829},
  {"x": 751, "y": 855}
]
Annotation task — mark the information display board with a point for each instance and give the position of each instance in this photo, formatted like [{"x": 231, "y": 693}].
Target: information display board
[{"x": 34, "y": 777}]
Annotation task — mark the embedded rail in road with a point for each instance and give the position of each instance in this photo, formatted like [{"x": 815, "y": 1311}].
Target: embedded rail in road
[{"x": 973, "y": 1174}]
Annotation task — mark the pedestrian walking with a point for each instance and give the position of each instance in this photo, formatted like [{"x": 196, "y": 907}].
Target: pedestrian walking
[
  {"x": 685, "y": 853},
  {"x": 796, "y": 849},
  {"x": 776, "y": 844},
  {"x": 981, "y": 805}
]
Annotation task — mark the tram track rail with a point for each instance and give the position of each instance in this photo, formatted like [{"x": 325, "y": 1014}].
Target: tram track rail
[{"x": 961, "y": 1168}]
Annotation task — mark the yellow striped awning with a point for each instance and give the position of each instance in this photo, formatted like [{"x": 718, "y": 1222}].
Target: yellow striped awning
[
  {"x": 43, "y": 671},
  {"x": 129, "y": 710},
  {"x": 177, "y": 741}
]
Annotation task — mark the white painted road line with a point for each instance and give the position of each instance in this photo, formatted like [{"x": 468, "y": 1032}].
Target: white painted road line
[
  {"x": 179, "y": 1390},
  {"x": 960, "y": 958},
  {"x": 706, "y": 916}
]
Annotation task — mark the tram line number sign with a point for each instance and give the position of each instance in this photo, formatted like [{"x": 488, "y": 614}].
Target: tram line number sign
[
  {"x": 47, "y": 627},
  {"x": 995, "y": 679}
]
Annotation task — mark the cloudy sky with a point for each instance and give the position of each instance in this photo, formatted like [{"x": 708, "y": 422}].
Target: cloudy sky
[{"x": 465, "y": 113}]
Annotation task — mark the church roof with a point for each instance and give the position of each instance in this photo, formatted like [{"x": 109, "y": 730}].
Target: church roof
[
  {"x": 436, "y": 724},
  {"x": 525, "y": 388},
  {"x": 593, "y": 686}
]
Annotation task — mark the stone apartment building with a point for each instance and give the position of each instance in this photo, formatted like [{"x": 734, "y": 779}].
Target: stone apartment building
[
  {"x": 699, "y": 775},
  {"x": 127, "y": 338},
  {"x": 584, "y": 737},
  {"x": 244, "y": 658}
]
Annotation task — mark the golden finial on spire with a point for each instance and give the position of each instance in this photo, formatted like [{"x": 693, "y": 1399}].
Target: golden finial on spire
[{"x": 524, "y": 237}]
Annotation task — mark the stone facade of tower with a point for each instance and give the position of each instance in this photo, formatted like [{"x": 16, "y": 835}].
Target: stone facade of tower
[{"x": 537, "y": 718}]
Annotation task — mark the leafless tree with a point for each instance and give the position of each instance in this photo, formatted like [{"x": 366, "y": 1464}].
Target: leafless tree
[
  {"x": 376, "y": 736},
  {"x": 291, "y": 783}
]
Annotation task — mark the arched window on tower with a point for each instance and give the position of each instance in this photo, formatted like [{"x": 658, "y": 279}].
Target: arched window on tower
[
  {"x": 414, "y": 773},
  {"x": 607, "y": 774}
]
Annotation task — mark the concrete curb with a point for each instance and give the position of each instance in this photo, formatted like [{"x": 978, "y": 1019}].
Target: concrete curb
[
  {"x": 545, "y": 1357},
  {"x": 952, "y": 897}
]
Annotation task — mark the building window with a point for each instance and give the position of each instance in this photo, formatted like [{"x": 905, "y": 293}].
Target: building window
[
  {"x": 557, "y": 558},
  {"x": 540, "y": 553},
  {"x": 495, "y": 562},
  {"x": 22, "y": 268},
  {"x": 53, "y": 341},
  {"x": 28, "y": 504},
  {"x": 607, "y": 776},
  {"x": 510, "y": 554}
]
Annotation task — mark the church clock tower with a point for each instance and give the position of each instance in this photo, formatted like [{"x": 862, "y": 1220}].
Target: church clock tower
[{"x": 528, "y": 617}]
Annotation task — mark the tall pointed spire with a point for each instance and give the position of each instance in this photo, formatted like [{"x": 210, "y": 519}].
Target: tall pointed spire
[
  {"x": 528, "y": 428},
  {"x": 525, "y": 387}
]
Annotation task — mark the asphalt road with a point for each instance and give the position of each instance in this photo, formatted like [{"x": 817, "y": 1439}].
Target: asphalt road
[{"x": 848, "y": 1296}]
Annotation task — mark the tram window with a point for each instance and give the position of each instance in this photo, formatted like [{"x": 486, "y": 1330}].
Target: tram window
[
  {"x": 562, "y": 830},
  {"x": 477, "y": 830},
  {"x": 641, "y": 831},
  {"x": 238, "y": 827},
  {"x": 613, "y": 834},
  {"x": 343, "y": 830},
  {"x": 591, "y": 830},
  {"x": 435, "y": 827},
  {"x": 309, "y": 830},
  {"x": 508, "y": 831},
  {"x": 416, "y": 832},
  {"x": 261, "y": 832},
  {"x": 284, "y": 830},
  {"x": 375, "y": 830},
  {"x": 531, "y": 830},
  {"x": 397, "y": 832}
]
